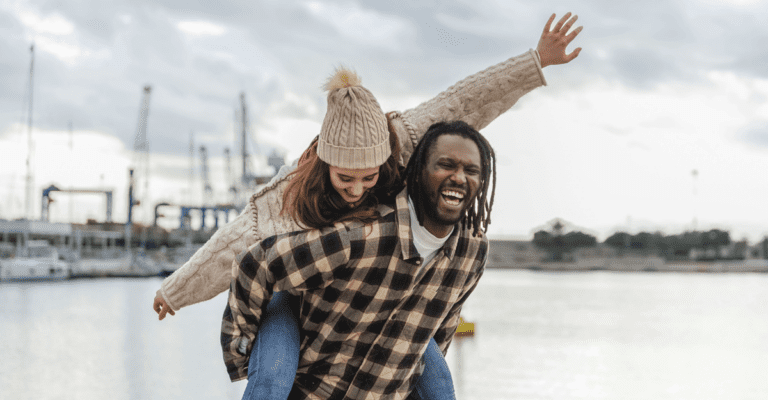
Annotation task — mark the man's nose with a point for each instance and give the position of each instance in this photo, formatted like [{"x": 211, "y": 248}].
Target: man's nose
[{"x": 459, "y": 176}]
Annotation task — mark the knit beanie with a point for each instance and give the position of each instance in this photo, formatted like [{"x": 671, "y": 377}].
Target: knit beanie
[{"x": 354, "y": 133}]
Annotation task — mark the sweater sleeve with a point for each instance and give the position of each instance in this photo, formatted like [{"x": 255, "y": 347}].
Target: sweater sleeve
[
  {"x": 476, "y": 100},
  {"x": 208, "y": 272}
]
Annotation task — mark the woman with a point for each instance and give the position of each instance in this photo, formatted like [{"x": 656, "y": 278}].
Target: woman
[{"x": 477, "y": 100}]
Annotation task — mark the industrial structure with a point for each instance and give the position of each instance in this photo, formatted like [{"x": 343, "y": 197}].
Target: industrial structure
[
  {"x": 138, "y": 247},
  {"x": 141, "y": 152},
  {"x": 47, "y": 200},
  {"x": 30, "y": 180}
]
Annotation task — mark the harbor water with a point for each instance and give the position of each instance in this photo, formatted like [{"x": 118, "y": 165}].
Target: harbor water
[{"x": 539, "y": 335}]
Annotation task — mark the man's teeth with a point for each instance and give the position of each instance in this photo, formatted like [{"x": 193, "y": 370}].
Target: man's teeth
[
  {"x": 453, "y": 197},
  {"x": 453, "y": 193}
]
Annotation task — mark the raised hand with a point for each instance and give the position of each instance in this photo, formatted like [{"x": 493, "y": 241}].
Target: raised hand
[{"x": 553, "y": 41}]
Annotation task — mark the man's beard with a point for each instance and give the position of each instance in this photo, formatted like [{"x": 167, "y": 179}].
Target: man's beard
[{"x": 429, "y": 204}]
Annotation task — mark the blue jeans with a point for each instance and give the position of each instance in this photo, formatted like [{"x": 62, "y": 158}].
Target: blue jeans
[
  {"x": 275, "y": 355},
  {"x": 275, "y": 358},
  {"x": 435, "y": 382}
]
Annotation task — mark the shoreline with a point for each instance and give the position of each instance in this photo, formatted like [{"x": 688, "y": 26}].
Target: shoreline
[{"x": 641, "y": 265}]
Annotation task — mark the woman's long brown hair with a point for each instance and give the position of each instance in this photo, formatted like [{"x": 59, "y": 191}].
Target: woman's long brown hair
[{"x": 311, "y": 200}]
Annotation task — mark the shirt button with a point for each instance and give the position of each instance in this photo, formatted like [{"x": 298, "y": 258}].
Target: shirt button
[{"x": 418, "y": 262}]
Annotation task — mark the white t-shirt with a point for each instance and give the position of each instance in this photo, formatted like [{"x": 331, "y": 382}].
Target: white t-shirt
[{"x": 426, "y": 243}]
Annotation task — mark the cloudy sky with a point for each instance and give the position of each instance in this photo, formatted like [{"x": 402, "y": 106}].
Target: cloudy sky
[{"x": 661, "y": 88}]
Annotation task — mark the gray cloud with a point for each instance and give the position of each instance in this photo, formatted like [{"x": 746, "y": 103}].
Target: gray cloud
[
  {"x": 273, "y": 48},
  {"x": 642, "y": 67},
  {"x": 14, "y": 70},
  {"x": 755, "y": 134}
]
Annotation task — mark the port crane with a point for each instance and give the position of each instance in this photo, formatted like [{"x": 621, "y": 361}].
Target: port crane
[
  {"x": 30, "y": 178},
  {"x": 141, "y": 154},
  {"x": 232, "y": 184},
  {"x": 248, "y": 179},
  {"x": 207, "y": 189},
  {"x": 47, "y": 200}
]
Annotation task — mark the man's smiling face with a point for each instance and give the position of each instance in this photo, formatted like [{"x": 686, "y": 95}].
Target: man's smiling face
[{"x": 449, "y": 182}]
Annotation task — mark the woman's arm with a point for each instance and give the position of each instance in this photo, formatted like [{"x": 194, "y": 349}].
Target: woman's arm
[
  {"x": 209, "y": 271},
  {"x": 482, "y": 97}
]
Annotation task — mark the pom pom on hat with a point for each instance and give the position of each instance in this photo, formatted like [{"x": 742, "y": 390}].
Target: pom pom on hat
[{"x": 342, "y": 78}]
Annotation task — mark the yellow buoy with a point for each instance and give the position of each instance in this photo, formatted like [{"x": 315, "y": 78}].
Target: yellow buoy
[{"x": 465, "y": 328}]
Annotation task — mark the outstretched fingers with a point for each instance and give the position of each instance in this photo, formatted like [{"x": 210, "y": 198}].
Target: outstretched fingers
[
  {"x": 548, "y": 25},
  {"x": 554, "y": 40},
  {"x": 569, "y": 24},
  {"x": 562, "y": 21},
  {"x": 569, "y": 38},
  {"x": 574, "y": 54}
]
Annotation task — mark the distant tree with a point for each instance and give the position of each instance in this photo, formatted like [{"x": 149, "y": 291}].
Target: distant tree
[
  {"x": 643, "y": 242},
  {"x": 551, "y": 243},
  {"x": 714, "y": 240},
  {"x": 618, "y": 240},
  {"x": 663, "y": 249},
  {"x": 557, "y": 243},
  {"x": 690, "y": 241},
  {"x": 680, "y": 246},
  {"x": 573, "y": 240},
  {"x": 764, "y": 247},
  {"x": 647, "y": 243},
  {"x": 542, "y": 239},
  {"x": 739, "y": 250}
]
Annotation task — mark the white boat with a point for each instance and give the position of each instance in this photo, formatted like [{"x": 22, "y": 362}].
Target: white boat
[{"x": 41, "y": 262}]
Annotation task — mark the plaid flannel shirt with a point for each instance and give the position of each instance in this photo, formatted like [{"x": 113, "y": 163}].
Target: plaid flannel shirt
[{"x": 368, "y": 308}]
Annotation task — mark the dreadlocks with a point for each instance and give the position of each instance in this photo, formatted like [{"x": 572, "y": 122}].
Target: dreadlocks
[{"x": 479, "y": 212}]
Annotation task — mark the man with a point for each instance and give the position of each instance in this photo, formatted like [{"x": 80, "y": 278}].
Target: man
[{"x": 373, "y": 295}]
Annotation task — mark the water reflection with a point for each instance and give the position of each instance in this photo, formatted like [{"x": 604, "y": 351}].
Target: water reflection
[
  {"x": 615, "y": 336},
  {"x": 456, "y": 364},
  {"x": 96, "y": 339},
  {"x": 538, "y": 336}
]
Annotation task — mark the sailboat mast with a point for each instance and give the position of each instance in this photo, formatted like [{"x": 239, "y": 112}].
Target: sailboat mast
[
  {"x": 30, "y": 178},
  {"x": 244, "y": 126}
]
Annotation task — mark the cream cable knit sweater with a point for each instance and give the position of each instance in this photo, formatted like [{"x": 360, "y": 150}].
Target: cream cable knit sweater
[{"x": 476, "y": 100}]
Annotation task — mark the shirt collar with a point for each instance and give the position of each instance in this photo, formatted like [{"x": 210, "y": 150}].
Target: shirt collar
[{"x": 406, "y": 236}]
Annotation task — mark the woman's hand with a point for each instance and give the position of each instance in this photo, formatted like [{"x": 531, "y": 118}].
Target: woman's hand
[
  {"x": 161, "y": 307},
  {"x": 553, "y": 42}
]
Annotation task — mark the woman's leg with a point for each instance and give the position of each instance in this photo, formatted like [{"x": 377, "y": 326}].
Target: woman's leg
[
  {"x": 435, "y": 383},
  {"x": 275, "y": 354}
]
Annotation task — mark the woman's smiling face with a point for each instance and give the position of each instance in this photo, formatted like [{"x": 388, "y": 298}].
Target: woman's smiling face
[{"x": 351, "y": 184}]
